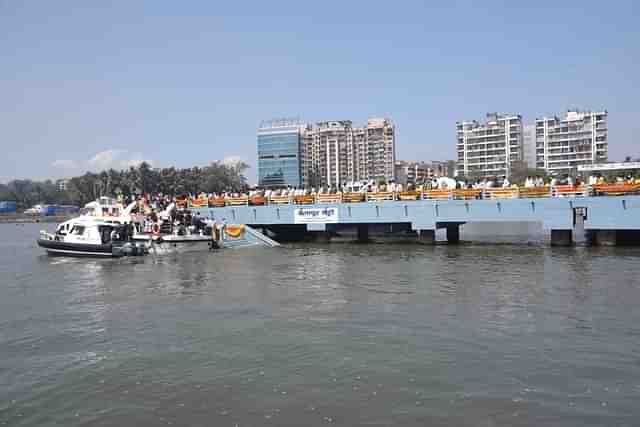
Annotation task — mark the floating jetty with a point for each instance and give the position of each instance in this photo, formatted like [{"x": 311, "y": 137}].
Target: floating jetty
[{"x": 606, "y": 219}]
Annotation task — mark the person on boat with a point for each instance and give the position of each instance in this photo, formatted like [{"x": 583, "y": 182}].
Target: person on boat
[
  {"x": 222, "y": 227},
  {"x": 198, "y": 223},
  {"x": 113, "y": 237}
]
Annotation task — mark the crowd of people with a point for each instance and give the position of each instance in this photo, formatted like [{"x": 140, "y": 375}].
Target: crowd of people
[
  {"x": 151, "y": 212},
  {"x": 152, "y": 205}
]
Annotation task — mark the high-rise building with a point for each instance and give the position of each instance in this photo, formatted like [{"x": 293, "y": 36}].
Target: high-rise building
[
  {"x": 529, "y": 146},
  {"x": 337, "y": 153},
  {"x": 419, "y": 172},
  {"x": 444, "y": 168},
  {"x": 489, "y": 148},
  {"x": 280, "y": 155},
  {"x": 329, "y": 152},
  {"x": 411, "y": 172},
  {"x": 62, "y": 184},
  {"x": 574, "y": 139},
  {"x": 380, "y": 151}
]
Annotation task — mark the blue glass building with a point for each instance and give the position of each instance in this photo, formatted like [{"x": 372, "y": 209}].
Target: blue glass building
[{"x": 279, "y": 163}]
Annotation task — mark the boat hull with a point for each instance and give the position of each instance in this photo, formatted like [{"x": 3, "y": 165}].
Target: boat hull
[
  {"x": 58, "y": 248},
  {"x": 61, "y": 248},
  {"x": 166, "y": 244}
]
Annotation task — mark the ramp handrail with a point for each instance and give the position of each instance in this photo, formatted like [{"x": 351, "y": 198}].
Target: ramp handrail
[{"x": 265, "y": 239}]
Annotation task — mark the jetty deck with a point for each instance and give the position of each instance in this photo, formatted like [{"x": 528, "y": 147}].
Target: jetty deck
[{"x": 609, "y": 220}]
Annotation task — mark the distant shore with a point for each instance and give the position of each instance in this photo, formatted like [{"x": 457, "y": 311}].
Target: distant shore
[{"x": 26, "y": 218}]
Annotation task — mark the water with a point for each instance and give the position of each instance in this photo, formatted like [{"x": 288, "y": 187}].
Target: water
[{"x": 474, "y": 335}]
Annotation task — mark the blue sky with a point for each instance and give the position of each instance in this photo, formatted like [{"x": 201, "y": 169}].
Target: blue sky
[{"x": 86, "y": 85}]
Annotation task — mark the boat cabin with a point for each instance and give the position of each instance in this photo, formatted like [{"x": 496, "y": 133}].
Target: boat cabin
[
  {"x": 103, "y": 207},
  {"x": 96, "y": 233}
]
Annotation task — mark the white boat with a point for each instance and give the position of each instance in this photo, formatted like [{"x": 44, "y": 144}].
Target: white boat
[
  {"x": 169, "y": 243},
  {"x": 90, "y": 234},
  {"x": 35, "y": 210},
  {"x": 167, "y": 236},
  {"x": 91, "y": 238}
]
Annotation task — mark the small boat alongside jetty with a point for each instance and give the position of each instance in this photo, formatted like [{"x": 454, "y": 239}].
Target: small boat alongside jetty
[
  {"x": 176, "y": 229},
  {"x": 221, "y": 237}
]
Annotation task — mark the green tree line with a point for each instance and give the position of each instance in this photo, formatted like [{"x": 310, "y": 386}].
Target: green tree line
[{"x": 143, "y": 179}]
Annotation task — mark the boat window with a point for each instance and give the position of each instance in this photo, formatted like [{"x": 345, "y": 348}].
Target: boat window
[{"x": 78, "y": 230}]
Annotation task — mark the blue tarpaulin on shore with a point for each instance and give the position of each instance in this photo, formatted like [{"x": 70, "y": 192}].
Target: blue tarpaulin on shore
[{"x": 7, "y": 207}]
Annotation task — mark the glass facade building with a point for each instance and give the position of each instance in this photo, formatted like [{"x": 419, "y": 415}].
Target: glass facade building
[{"x": 279, "y": 162}]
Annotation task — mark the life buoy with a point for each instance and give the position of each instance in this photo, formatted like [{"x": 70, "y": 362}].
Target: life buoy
[{"x": 155, "y": 229}]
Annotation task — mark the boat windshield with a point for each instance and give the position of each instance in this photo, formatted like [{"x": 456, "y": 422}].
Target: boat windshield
[{"x": 78, "y": 230}]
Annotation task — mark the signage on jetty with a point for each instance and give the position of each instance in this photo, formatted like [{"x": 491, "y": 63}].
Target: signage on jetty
[{"x": 315, "y": 216}]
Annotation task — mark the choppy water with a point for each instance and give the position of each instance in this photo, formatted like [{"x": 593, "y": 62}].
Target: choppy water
[{"x": 470, "y": 335}]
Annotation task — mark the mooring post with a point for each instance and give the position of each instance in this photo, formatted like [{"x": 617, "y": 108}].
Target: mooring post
[
  {"x": 363, "y": 233},
  {"x": 453, "y": 233},
  {"x": 427, "y": 237},
  {"x": 561, "y": 237}
]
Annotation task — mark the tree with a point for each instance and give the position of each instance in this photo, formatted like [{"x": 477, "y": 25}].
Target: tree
[
  {"x": 84, "y": 189},
  {"x": 216, "y": 177},
  {"x": 167, "y": 181},
  {"x": 520, "y": 171},
  {"x": 219, "y": 177}
]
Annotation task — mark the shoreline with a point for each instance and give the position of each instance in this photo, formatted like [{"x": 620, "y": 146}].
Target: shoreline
[{"x": 30, "y": 219}]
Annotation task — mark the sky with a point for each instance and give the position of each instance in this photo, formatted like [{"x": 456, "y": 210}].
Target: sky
[{"x": 91, "y": 85}]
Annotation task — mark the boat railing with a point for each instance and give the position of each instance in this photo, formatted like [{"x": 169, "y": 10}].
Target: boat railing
[{"x": 46, "y": 236}]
